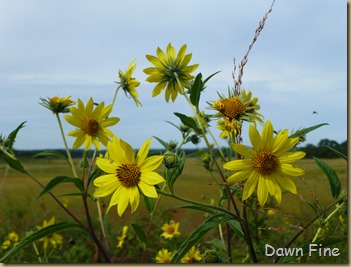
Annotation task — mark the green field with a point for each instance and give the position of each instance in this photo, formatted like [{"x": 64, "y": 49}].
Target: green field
[{"x": 21, "y": 211}]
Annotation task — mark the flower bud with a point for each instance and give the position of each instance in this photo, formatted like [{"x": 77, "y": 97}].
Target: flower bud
[{"x": 170, "y": 160}]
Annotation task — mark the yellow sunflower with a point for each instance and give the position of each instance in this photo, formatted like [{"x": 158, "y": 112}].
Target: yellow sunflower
[
  {"x": 164, "y": 256},
  {"x": 192, "y": 256},
  {"x": 171, "y": 71},
  {"x": 267, "y": 165},
  {"x": 128, "y": 83},
  {"x": 91, "y": 124},
  {"x": 126, "y": 175},
  {"x": 54, "y": 239},
  {"x": 170, "y": 230},
  {"x": 57, "y": 104}
]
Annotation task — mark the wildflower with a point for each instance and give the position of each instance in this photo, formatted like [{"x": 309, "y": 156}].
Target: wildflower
[
  {"x": 127, "y": 175},
  {"x": 13, "y": 236},
  {"x": 170, "y": 230},
  {"x": 122, "y": 236},
  {"x": 233, "y": 110},
  {"x": 164, "y": 256},
  {"x": 171, "y": 71},
  {"x": 128, "y": 83},
  {"x": 57, "y": 104},
  {"x": 54, "y": 239},
  {"x": 6, "y": 244},
  {"x": 91, "y": 124},
  {"x": 267, "y": 165},
  {"x": 192, "y": 256}
]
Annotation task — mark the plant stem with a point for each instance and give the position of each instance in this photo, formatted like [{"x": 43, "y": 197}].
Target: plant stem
[{"x": 66, "y": 146}]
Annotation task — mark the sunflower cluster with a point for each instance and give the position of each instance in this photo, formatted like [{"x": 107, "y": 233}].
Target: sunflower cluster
[{"x": 233, "y": 110}]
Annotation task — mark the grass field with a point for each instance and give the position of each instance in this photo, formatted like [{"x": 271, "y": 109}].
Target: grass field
[{"x": 21, "y": 210}]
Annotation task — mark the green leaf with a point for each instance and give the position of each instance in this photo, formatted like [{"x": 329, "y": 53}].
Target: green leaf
[
  {"x": 14, "y": 164},
  {"x": 304, "y": 131},
  {"x": 165, "y": 144},
  {"x": 337, "y": 152},
  {"x": 209, "y": 77},
  {"x": 197, "y": 234},
  {"x": 175, "y": 172},
  {"x": 49, "y": 230},
  {"x": 195, "y": 91},
  {"x": 140, "y": 233},
  {"x": 13, "y": 134},
  {"x": 149, "y": 203},
  {"x": 52, "y": 153},
  {"x": 188, "y": 121},
  {"x": 333, "y": 178},
  {"x": 59, "y": 180}
]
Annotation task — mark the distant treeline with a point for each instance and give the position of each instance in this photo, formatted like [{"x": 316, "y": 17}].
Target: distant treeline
[{"x": 319, "y": 151}]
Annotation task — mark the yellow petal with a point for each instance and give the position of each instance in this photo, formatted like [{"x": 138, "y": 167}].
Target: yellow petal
[
  {"x": 262, "y": 191},
  {"x": 89, "y": 107},
  {"x": 250, "y": 185},
  {"x": 143, "y": 152},
  {"x": 287, "y": 183},
  {"x": 239, "y": 176},
  {"x": 79, "y": 140},
  {"x": 288, "y": 169},
  {"x": 151, "y": 178},
  {"x": 255, "y": 138},
  {"x": 237, "y": 165},
  {"x": 151, "y": 163},
  {"x": 289, "y": 157},
  {"x": 148, "y": 190},
  {"x": 243, "y": 150},
  {"x": 123, "y": 201},
  {"x": 106, "y": 165}
]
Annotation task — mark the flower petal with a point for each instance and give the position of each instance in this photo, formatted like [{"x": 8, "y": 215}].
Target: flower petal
[
  {"x": 243, "y": 150},
  {"x": 148, "y": 190},
  {"x": 237, "y": 165},
  {"x": 262, "y": 191},
  {"x": 250, "y": 185},
  {"x": 143, "y": 152},
  {"x": 288, "y": 169},
  {"x": 151, "y": 178},
  {"x": 106, "y": 165},
  {"x": 255, "y": 138},
  {"x": 287, "y": 183},
  {"x": 151, "y": 163}
]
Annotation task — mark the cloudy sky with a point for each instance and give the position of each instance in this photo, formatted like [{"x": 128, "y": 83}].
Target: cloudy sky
[{"x": 47, "y": 48}]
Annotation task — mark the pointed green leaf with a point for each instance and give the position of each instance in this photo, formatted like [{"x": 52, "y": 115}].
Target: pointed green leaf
[
  {"x": 140, "y": 233},
  {"x": 188, "y": 121},
  {"x": 149, "y": 203},
  {"x": 14, "y": 164},
  {"x": 59, "y": 180},
  {"x": 49, "y": 230},
  {"x": 13, "y": 134},
  {"x": 197, "y": 234},
  {"x": 175, "y": 172},
  {"x": 195, "y": 91},
  {"x": 304, "y": 131},
  {"x": 165, "y": 145},
  {"x": 333, "y": 178},
  {"x": 337, "y": 152},
  {"x": 209, "y": 77}
]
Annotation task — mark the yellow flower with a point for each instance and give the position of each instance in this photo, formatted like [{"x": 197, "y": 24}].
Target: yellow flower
[
  {"x": 170, "y": 71},
  {"x": 192, "y": 256},
  {"x": 13, "y": 236},
  {"x": 127, "y": 175},
  {"x": 91, "y": 124},
  {"x": 228, "y": 127},
  {"x": 128, "y": 83},
  {"x": 54, "y": 239},
  {"x": 6, "y": 244},
  {"x": 164, "y": 256},
  {"x": 237, "y": 108},
  {"x": 57, "y": 104},
  {"x": 267, "y": 165},
  {"x": 170, "y": 230},
  {"x": 122, "y": 237}
]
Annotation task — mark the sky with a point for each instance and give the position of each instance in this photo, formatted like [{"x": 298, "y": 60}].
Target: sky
[{"x": 69, "y": 47}]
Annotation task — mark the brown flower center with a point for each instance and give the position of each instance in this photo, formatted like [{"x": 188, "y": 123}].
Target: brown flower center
[
  {"x": 265, "y": 162},
  {"x": 232, "y": 107},
  {"x": 128, "y": 174},
  {"x": 90, "y": 126}
]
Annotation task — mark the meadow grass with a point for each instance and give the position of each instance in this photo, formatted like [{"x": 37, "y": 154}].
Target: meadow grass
[{"x": 21, "y": 210}]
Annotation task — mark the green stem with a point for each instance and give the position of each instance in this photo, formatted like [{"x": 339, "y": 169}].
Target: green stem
[
  {"x": 115, "y": 96},
  {"x": 327, "y": 219},
  {"x": 66, "y": 146}
]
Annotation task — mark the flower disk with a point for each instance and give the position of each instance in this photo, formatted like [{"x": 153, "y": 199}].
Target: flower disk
[
  {"x": 126, "y": 175},
  {"x": 171, "y": 71},
  {"x": 267, "y": 165}
]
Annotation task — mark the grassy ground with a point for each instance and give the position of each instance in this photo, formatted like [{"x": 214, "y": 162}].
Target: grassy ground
[{"x": 21, "y": 210}]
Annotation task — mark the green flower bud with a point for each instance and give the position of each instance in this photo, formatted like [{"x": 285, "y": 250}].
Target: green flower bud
[
  {"x": 210, "y": 256},
  {"x": 170, "y": 160}
]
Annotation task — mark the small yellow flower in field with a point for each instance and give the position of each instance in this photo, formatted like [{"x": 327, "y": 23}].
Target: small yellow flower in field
[
  {"x": 128, "y": 83},
  {"x": 192, "y": 256},
  {"x": 164, "y": 256},
  {"x": 228, "y": 127},
  {"x": 54, "y": 239},
  {"x": 91, "y": 124},
  {"x": 171, "y": 71},
  {"x": 122, "y": 236},
  {"x": 170, "y": 230},
  {"x": 13, "y": 236},
  {"x": 57, "y": 104},
  {"x": 267, "y": 165},
  {"x": 6, "y": 244},
  {"x": 126, "y": 175}
]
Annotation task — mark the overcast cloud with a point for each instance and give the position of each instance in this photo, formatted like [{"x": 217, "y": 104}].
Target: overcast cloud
[{"x": 297, "y": 66}]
